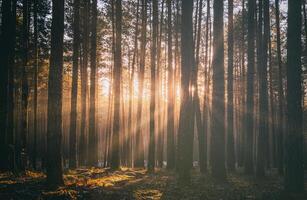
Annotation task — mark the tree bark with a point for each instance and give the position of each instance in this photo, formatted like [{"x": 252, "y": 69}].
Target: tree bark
[
  {"x": 262, "y": 150},
  {"x": 117, "y": 89},
  {"x": 294, "y": 173},
  {"x": 93, "y": 139},
  {"x": 139, "y": 157},
  {"x": 249, "y": 113},
  {"x": 218, "y": 94},
  {"x": 84, "y": 87},
  {"x": 152, "y": 144},
  {"x": 74, "y": 88},
  {"x": 187, "y": 61},
  {"x": 7, "y": 38},
  {"x": 230, "y": 119},
  {"x": 170, "y": 98},
  {"x": 54, "y": 126},
  {"x": 281, "y": 112},
  {"x": 34, "y": 151}
]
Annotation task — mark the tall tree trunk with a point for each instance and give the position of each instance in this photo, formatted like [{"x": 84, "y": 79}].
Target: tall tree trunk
[
  {"x": 152, "y": 144},
  {"x": 196, "y": 101},
  {"x": 230, "y": 119},
  {"x": 34, "y": 153},
  {"x": 249, "y": 117},
  {"x": 25, "y": 88},
  {"x": 207, "y": 88},
  {"x": 54, "y": 127},
  {"x": 117, "y": 82},
  {"x": 6, "y": 52},
  {"x": 281, "y": 112},
  {"x": 273, "y": 110},
  {"x": 139, "y": 157},
  {"x": 159, "y": 92},
  {"x": 74, "y": 88},
  {"x": 131, "y": 91},
  {"x": 187, "y": 61},
  {"x": 294, "y": 173},
  {"x": 93, "y": 139},
  {"x": 84, "y": 88},
  {"x": 11, "y": 113},
  {"x": 263, "y": 95},
  {"x": 218, "y": 93},
  {"x": 170, "y": 98}
]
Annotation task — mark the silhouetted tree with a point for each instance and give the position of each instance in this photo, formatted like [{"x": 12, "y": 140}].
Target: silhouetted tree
[{"x": 54, "y": 126}]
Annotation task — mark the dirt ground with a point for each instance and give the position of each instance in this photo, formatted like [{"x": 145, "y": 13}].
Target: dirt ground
[{"x": 103, "y": 184}]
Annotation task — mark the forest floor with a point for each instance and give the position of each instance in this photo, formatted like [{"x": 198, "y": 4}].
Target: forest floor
[{"x": 103, "y": 184}]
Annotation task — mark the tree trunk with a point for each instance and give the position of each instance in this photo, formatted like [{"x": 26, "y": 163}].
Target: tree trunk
[
  {"x": 152, "y": 144},
  {"x": 117, "y": 82},
  {"x": 170, "y": 98},
  {"x": 74, "y": 88},
  {"x": 34, "y": 153},
  {"x": 249, "y": 112},
  {"x": 230, "y": 120},
  {"x": 263, "y": 95},
  {"x": 24, "y": 90},
  {"x": 207, "y": 88},
  {"x": 11, "y": 113},
  {"x": 7, "y": 38},
  {"x": 294, "y": 173},
  {"x": 159, "y": 95},
  {"x": 139, "y": 157},
  {"x": 281, "y": 112},
  {"x": 84, "y": 88},
  {"x": 218, "y": 94},
  {"x": 187, "y": 61},
  {"x": 93, "y": 139},
  {"x": 54, "y": 127}
]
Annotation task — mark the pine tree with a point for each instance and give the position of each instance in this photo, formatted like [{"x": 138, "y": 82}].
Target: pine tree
[
  {"x": 74, "y": 88},
  {"x": 54, "y": 127},
  {"x": 218, "y": 94},
  {"x": 152, "y": 144},
  {"x": 294, "y": 173},
  {"x": 116, "y": 90},
  {"x": 93, "y": 143}
]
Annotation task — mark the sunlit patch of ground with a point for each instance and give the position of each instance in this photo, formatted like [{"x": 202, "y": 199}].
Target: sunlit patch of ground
[
  {"x": 126, "y": 184},
  {"x": 147, "y": 194}
]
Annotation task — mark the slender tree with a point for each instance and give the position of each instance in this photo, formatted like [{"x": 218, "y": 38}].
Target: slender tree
[
  {"x": 248, "y": 160},
  {"x": 281, "y": 112},
  {"x": 139, "y": 157},
  {"x": 35, "y": 51},
  {"x": 6, "y": 52},
  {"x": 131, "y": 91},
  {"x": 196, "y": 101},
  {"x": 54, "y": 126},
  {"x": 263, "y": 92},
  {"x": 152, "y": 144},
  {"x": 159, "y": 91},
  {"x": 74, "y": 88},
  {"x": 170, "y": 98},
  {"x": 116, "y": 81},
  {"x": 187, "y": 61},
  {"x": 206, "y": 83},
  {"x": 218, "y": 96},
  {"x": 25, "y": 86},
  {"x": 93, "y": 143},
  {"x": 230, "y": 112},
  {"x": 11, "y": 101},
  {"x": 84, "y": 84},
  {"x": 294, "y": 173}
]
